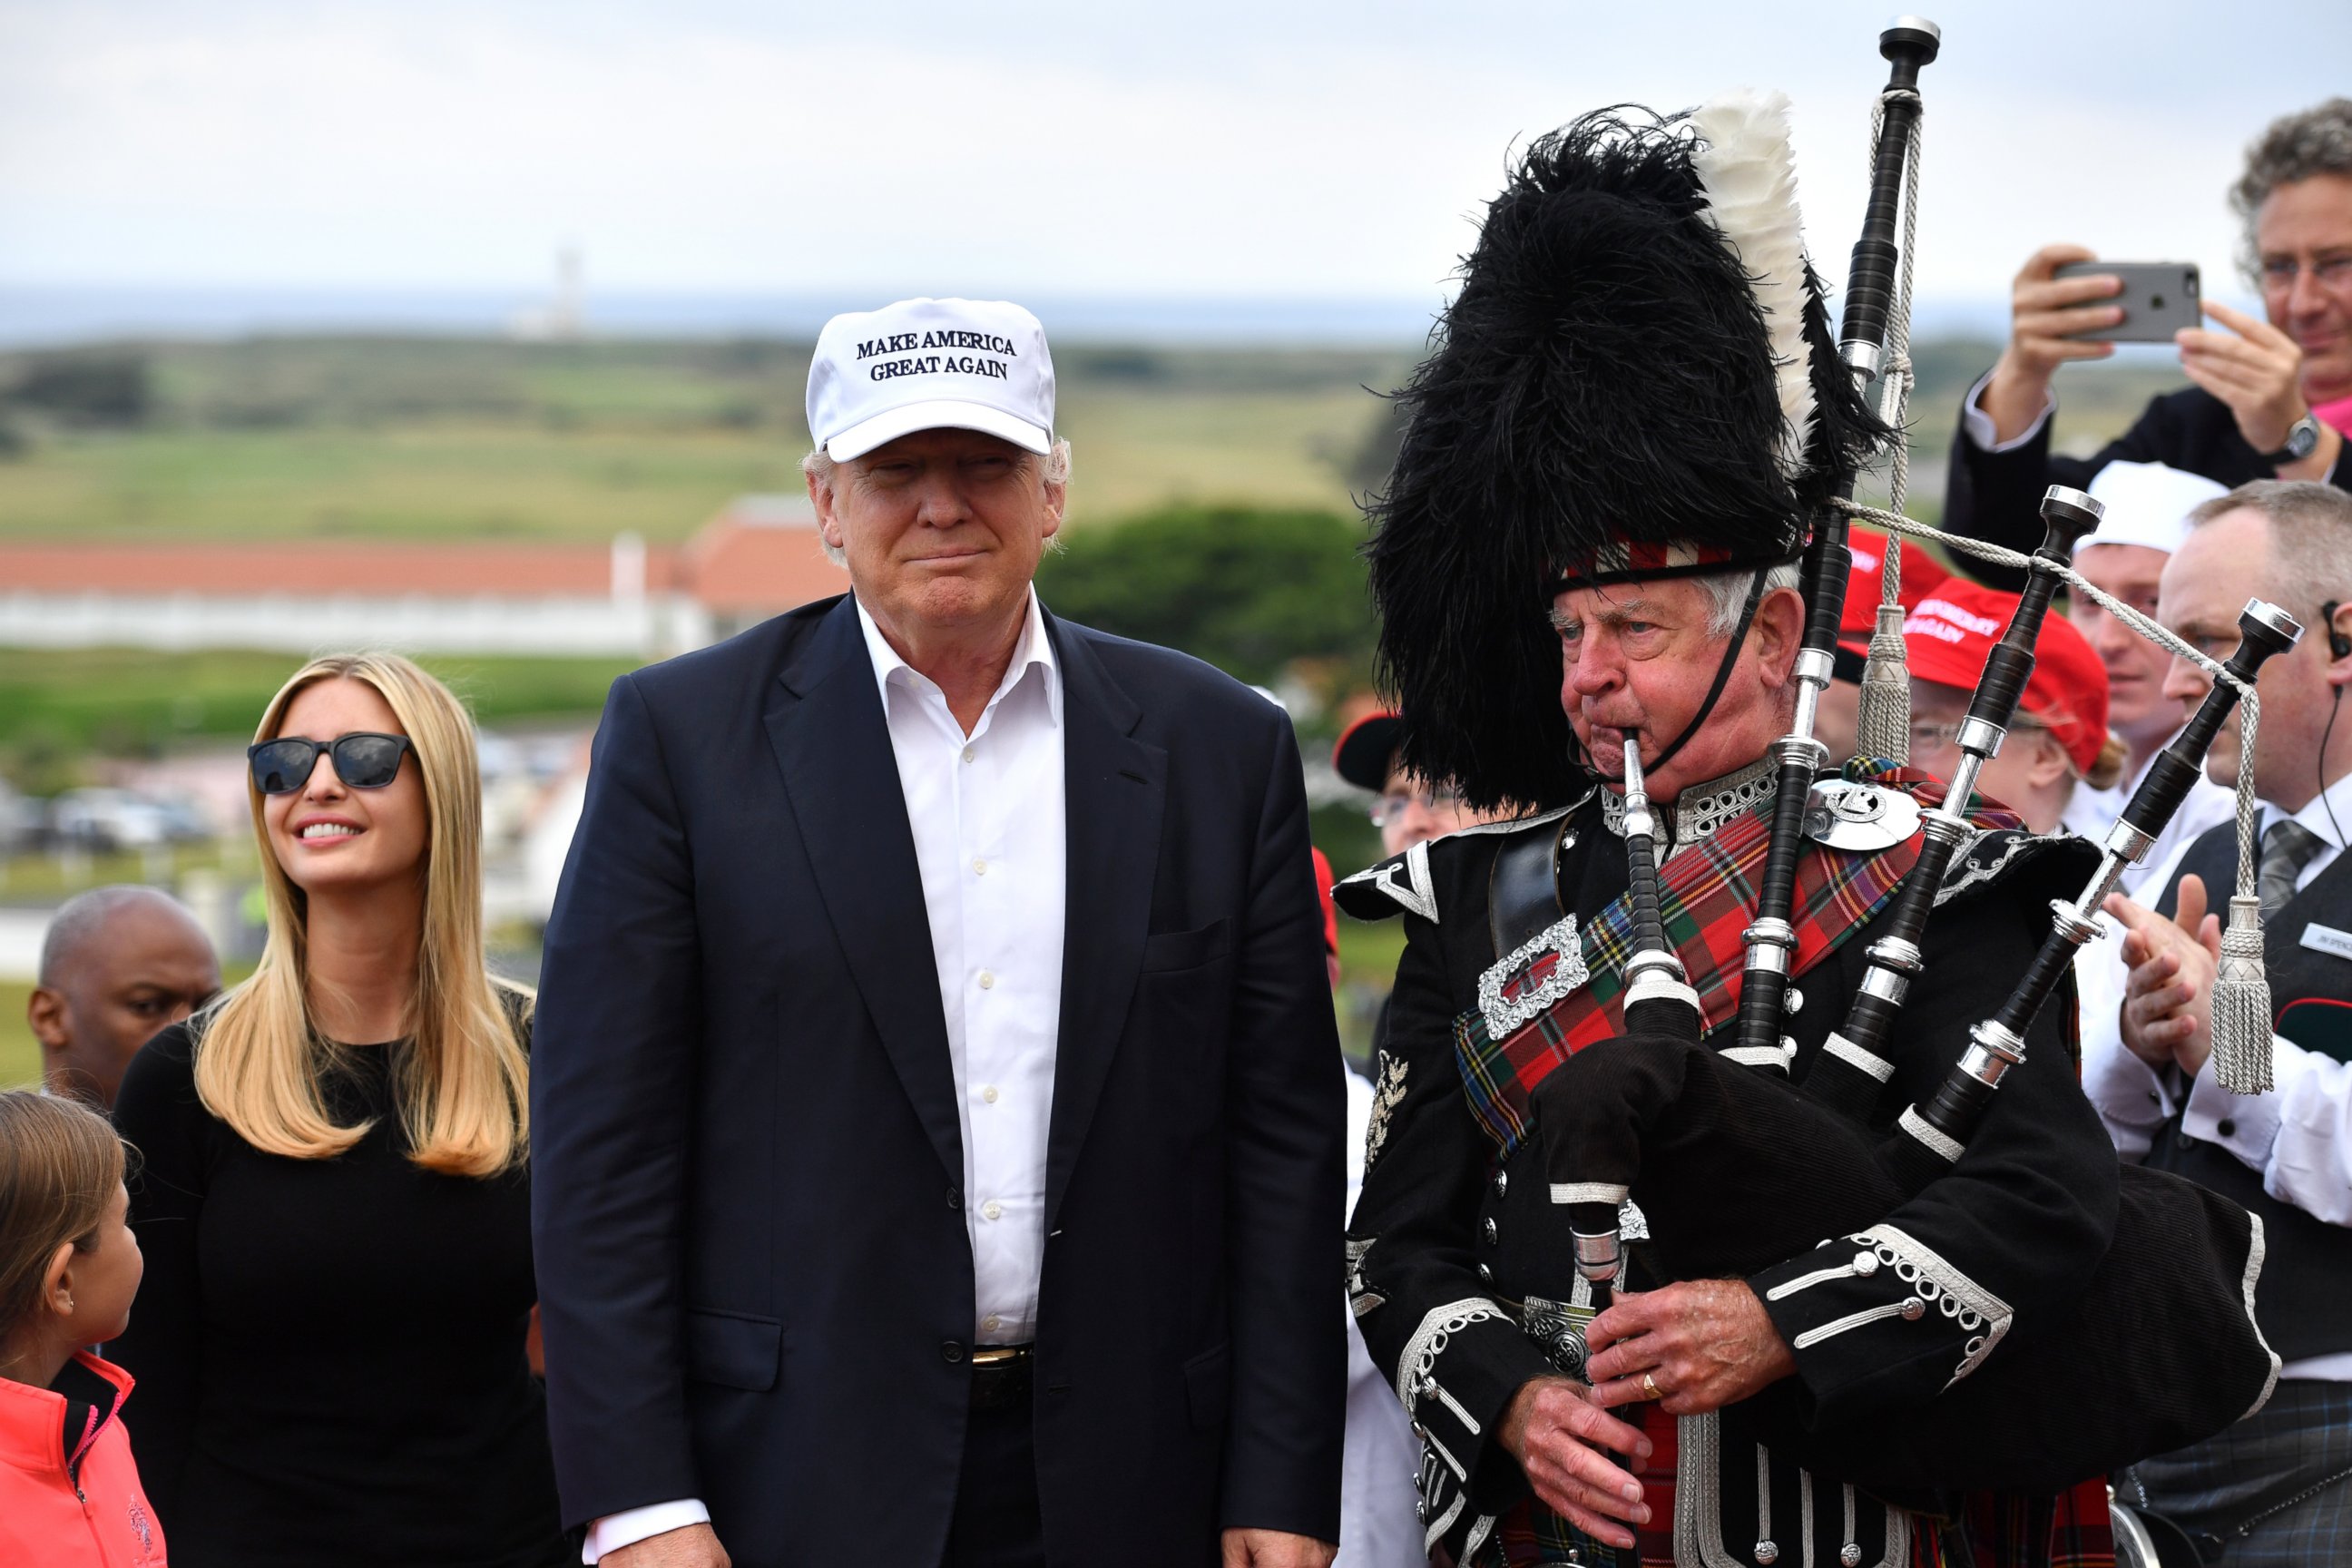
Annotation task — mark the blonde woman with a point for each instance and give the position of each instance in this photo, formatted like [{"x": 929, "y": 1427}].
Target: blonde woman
[{"x": 334, "y": 1203}]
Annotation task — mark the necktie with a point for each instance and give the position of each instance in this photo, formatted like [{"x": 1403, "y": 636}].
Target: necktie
[{"x": 2287, "y": 847}]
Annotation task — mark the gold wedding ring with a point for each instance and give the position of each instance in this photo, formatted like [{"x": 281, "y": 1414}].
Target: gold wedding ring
[{"x": 1650, "y": 1389}]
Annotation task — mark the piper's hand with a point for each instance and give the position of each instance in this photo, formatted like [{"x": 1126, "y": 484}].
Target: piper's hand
[
  {"x": 1704, "y": 1344},
  {"x": 2254, "y": 368},
  {"x": 2167, "y": 1008},
  {"x": 2042, "y": 310},
  {"x": 1557, "y": 1434}
]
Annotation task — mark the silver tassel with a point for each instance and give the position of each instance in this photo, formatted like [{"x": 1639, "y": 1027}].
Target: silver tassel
[
  {"x": 1883, "y": 725},
  {"x": 2241, "y": 1004}
]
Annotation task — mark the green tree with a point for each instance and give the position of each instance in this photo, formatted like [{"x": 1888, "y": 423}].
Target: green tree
[{"x": 1252, "y": 592}]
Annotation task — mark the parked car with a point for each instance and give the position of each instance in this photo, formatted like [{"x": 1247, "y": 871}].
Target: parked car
[{"x": 109, "y": 819}]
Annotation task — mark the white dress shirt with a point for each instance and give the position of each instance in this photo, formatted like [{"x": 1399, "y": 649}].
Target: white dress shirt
[
  {"x": 2092, "y": 812},
  {"x": 989, "y": 817},
  {"x": 2298, "y": 1136},
  {"x": 2099, "y": 972},
  {"x": 989, "y": 814}
]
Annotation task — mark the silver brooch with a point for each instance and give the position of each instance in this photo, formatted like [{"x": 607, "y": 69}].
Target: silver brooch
[{"x": 1531, "y": 977}]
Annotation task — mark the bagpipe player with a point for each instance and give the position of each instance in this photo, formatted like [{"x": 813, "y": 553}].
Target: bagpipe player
[{"x": 1632, "y": 408}]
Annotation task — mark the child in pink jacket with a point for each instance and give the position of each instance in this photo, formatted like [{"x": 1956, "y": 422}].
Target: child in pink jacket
[{"x": 69, "y": 1494}]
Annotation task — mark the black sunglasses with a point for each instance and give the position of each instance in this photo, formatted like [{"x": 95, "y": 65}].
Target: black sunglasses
[{"x": 363, "y": 760}]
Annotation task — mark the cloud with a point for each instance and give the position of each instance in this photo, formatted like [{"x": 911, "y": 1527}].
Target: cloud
[{"x": 1221, "y": 148}]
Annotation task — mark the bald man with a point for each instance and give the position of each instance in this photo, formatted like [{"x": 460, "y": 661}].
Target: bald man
[{"x": 118, "y": 964}]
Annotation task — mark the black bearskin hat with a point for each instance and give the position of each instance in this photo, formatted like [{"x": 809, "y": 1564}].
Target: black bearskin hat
[{"x": 1608, "y": 381}]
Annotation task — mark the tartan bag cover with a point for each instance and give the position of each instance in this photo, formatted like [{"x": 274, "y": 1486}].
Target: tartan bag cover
[{"x": 1706, "y": 897}]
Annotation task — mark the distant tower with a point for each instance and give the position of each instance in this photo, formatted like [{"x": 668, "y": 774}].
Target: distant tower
[{"x": 567, "y": 315}]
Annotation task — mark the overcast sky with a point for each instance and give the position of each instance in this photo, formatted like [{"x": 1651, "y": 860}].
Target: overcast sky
[{"x": 1210, "y": 147}]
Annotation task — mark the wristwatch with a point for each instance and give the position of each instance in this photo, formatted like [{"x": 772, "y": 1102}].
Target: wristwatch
[{"x": 2302, "y": 440}]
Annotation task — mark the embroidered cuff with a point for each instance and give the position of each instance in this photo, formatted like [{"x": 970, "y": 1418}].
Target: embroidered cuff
[
  {"x": 1456, "y": 1377},
  {"x": 1978, "y": 423},
  {"x": 1879, "y": 1317}
]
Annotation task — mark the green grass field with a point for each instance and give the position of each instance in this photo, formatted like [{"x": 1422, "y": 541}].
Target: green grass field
[
  {"x": 278, "y": 438},
  {"x": 20, "y": 1054}
]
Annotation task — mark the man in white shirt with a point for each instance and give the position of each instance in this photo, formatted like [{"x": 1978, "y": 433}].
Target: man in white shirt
[
  {"x": 2269, "y": 1488},
  {"x": 936, "y": 1103},
  {"x": 2146, "y": 520}
]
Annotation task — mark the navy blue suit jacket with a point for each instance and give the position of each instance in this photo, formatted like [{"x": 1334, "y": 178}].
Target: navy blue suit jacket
[{"x": 755, "y": 1280}]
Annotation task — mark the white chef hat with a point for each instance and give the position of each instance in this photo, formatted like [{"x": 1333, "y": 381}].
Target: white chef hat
[{"x": 2147, "y": 504}]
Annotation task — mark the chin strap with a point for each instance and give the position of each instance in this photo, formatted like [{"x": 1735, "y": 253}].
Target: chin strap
[{"x": 1722, "y": 672}]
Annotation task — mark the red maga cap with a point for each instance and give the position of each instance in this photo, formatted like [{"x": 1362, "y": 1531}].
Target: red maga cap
[
  {"x": 1921, "y": 574},
  {"x": 1950, "y": 634}
]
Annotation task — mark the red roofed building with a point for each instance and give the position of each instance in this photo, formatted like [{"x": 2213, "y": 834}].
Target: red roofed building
[{"x": 759, "y": 557}]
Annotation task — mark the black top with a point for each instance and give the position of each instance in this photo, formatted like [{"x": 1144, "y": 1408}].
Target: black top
[
  {"x": 1997, "y": 496},
  {"x": 330, "y": 1352}
]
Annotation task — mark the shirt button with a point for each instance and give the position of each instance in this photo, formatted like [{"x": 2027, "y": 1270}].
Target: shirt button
[
  {"x": 951, "y": 1352},
  {"x": 979, "y": 868},
  {"x": 991, "y": 1209},
  {"x": 992, "y": 1322},
  {"x": 2225, "y": 1127},
  {"x": 987, "y": 981},
  {"x": 988, "y": 1093},
  {"x": 967, "y": 754}
]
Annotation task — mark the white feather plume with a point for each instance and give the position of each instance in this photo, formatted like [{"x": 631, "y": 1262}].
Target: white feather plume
[{"x": 1750, "y": 178}]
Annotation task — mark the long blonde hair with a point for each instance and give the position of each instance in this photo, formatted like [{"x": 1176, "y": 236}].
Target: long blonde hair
[{"x": 461, "y": 1083}]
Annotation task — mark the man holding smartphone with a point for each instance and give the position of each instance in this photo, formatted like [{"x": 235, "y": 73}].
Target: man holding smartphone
[{"x": 2264, "y": 392}]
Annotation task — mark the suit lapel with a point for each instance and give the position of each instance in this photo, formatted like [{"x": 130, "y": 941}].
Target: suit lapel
[
  {"x": 1115, "y": 787},
  {"x": 831, "y": 743}
]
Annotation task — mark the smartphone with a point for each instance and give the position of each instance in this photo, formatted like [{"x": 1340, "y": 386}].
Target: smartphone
[{"x": 2160, "y": 297}]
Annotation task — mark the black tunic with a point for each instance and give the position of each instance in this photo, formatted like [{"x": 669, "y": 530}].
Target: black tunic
[
  {"x": 1436, "y": 1264},
  {"x": 1997, "y": 496},
  {"x": 330, "y": 1352}
]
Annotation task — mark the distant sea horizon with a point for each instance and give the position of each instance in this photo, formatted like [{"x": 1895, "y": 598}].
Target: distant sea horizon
[{"x": 66, "y": 315}]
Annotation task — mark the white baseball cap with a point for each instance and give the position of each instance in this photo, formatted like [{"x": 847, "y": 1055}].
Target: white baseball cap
[
  {"x": 2147, "y": 504},
  {"x": 930, "y": 364}
]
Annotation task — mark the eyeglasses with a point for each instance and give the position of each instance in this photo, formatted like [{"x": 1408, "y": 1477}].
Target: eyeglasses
[
  {"x": 1931, "y": 738},
  {"x": 2332, "y": 272},
  {"x": 1390, "y": 807},
  {"x": 363, "y": 760}
]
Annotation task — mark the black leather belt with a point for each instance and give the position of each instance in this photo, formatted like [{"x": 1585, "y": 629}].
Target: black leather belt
[{"x": 1000, "y": 1376}]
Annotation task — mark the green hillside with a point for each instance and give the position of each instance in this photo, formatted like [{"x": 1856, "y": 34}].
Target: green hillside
[
  {"x": 310, "y": 437},
  {"x": 459, "y": 439}
]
